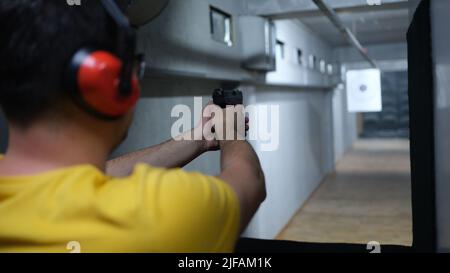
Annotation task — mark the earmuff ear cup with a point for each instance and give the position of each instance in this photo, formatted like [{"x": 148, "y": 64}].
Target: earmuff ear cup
[{"x": 97, "y": 79}]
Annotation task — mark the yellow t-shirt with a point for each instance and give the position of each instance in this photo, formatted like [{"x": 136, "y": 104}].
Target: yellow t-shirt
[{"x": 152, "y": 210}]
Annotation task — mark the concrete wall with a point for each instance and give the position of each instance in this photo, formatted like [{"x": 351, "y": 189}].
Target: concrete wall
[
  {"x": 179, "y": 42},
  {"x": 293, "y": 33},
  {"x": 304, "y": 157}
]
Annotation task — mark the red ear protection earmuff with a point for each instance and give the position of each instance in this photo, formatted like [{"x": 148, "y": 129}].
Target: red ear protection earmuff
[
  {"x": 102, "y": 82},
  {"x": 97, "y": 76}
]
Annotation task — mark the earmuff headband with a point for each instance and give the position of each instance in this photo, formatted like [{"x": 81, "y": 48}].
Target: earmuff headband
[{"x": 126, "y": 45}]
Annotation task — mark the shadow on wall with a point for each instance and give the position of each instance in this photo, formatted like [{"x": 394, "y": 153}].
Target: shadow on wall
[{"x": 315, "y": 127}]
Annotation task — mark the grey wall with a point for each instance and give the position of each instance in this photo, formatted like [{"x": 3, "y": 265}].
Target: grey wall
[
  {"x": 179, "y": 42},
  {"x": 304, "y": 157},
  {"x": 289, "y": 72}
]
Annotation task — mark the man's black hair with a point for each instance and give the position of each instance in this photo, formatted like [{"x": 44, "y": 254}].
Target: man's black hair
[{"x": 37, "y": 40}]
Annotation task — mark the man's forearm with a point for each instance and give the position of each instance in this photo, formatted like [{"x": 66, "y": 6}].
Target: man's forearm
[
  {"x": 241, "y": 169},
  {"x": 170, "y": 154},
  {"x": 233, "y": 151}
]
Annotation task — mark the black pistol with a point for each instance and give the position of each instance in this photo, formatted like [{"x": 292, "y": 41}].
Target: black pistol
[{"x": 222, "y": 97}]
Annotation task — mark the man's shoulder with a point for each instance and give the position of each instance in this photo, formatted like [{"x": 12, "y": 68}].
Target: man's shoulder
[
  {"x": 184, "y": 186},
  {"x": 175, "y": 177}
]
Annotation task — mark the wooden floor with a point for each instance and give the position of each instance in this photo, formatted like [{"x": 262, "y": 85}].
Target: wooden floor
[{"x": 368, "y": 198}]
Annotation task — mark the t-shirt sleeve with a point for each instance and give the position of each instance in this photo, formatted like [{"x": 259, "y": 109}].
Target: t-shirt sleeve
[{"x": 186, "y": 212}]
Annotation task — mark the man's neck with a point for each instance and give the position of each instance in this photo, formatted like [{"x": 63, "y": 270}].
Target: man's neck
[{"x": 44, "y": 148}]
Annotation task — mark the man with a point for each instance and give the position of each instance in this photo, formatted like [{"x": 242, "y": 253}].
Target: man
[{"x": 57, "y": 188}]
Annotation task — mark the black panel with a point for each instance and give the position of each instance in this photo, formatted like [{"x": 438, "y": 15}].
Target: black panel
[
  {"x": 247, "y": 245},
  {"x": 422, "y": 129},
  {"x": 3, "y": 133}
]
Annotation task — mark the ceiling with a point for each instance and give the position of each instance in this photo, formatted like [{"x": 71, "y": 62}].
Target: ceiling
[
  {"x": 385, "y": 23},
  {"x": 369, "y": 27}
]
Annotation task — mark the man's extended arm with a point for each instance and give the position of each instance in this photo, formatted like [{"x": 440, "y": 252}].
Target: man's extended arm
[
  {"x": 241, "y": 169},
  {"x": 240, "y": 166},
  {"x": 174, "y": 153},
  {"x": 170, "y": 154}
]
